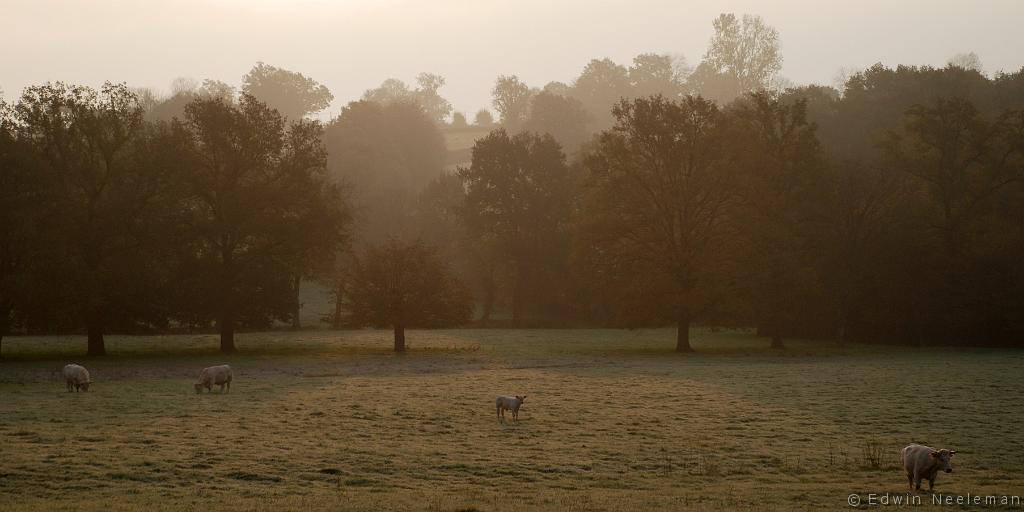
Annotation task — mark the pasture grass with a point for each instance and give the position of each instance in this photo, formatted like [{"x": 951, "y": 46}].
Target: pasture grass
[{"x": 613, "y": 420}]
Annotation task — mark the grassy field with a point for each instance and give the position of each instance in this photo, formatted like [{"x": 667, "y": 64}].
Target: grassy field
[{"x": 613, "y": 421}]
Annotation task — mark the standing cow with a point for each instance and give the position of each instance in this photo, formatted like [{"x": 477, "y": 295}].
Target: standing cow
[
  {"x": 924, "y": 462},
  {"x": 509, "y": 403}
]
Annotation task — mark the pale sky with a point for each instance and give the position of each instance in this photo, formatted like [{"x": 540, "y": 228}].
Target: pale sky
[{"x": 353, "y": 45}]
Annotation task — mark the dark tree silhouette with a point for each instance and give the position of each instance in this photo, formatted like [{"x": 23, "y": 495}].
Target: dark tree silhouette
[
  {"x": 83, "y": 138},
  {"x": 517, "y": 203},
  {"x": 259, "y": 199},
  {"x": 660, "y": 188},
  {"x": 404, "y": 285},
  {"x": 295, "y": 97},
  {"x": 20, "y": 189},
  {"x": 779, "y": 215}
]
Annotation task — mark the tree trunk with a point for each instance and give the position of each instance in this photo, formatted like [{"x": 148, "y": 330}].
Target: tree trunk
[
  {"x": 399, "y": 338},
  {"x": 336, "y": 321},
  {"x": 841, "y": 334},
  {"x": 517, "y": 301},
  {"x": 297, "y": 312},
  {"x": 777, "y": 333},
  {"x": 227, "y": 331},
  {"x": 683, "y": 331},
  {"x": 96, "y": 346},
  {"x": 777, "y": 340},
  {"x": 5, "y": 324},
  {"x": 488, "y": 302}
]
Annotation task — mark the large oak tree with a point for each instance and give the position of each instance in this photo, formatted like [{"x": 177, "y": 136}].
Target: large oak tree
[
  {"x": 259, "y": 199},
  {"x": 655, "y": 218}
]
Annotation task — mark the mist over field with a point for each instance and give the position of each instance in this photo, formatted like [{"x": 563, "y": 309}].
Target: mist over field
[{"x": 482, "y": 256}]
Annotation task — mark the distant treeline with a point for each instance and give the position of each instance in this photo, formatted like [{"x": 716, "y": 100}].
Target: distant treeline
[{"x": 891, "y": 210}]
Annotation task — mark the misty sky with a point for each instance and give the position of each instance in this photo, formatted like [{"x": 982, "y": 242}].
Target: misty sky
[{"x": 352, "y": 45}]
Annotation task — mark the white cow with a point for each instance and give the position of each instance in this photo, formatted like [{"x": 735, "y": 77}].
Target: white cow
[
  {"x": 509, "y": 403},
  {"x": 924, "y": 462},
  {"x": 214, "y": 375},
  {"x": 76, "y": 377}
]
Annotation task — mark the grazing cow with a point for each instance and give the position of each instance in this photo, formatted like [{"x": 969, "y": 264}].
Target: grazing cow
[
  {"x": 214, "y": 375},
  {"x": 924, "y": 462},
  {"x": 76, "y": 378},
  {"x": 509, "y": 403}
]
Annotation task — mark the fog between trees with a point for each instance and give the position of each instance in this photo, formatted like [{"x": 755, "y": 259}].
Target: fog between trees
[{"x": 647, "y": 193}]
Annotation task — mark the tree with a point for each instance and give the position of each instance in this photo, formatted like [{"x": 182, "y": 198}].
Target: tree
[
  {"x": 517, "y": 201},
  {"x": 436, "y": 106},
  {"x": 780, "y": 210},
  {"x": 292, "y": 94},
  {"x": 863, "y": 226},
  {"x": 295, "y": 97},
  {"x": 184, "y": 91},
  {"x": 954, "y": 152},
  {"x": 962, "y": 164},
  {"x": 459, "y": 120},
  {"x": 967, "y": 61},
  {"x": 96, "y": 193},
  {"x": 402, "y": 285},
  {"x": 19, "y": 195},
  {"x": 483, "y": 118},
  {"x": 653, "y": 74},
  {"x": 564, "y": 118},
  {"x": 259, "y": 200},
  {"x": 743, "y": 57},
  {"x": 655, "y": 215},
  {"x": 426, "y": 96},
  {"x": 600, "y": 85},
  {"x": 511, "y": 98},
  {"x": 386, "y": 154}
]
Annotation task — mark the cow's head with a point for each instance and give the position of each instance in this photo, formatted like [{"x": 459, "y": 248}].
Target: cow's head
[
  {"x": 521, "y": 398},
  {"x": 943, "y": 457},
  {"x": 199, "y": 387},
  {"x": 84, "y": 386}
]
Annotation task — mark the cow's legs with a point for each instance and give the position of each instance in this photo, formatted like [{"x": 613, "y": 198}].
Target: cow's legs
[{"x": 910, "y": 480}]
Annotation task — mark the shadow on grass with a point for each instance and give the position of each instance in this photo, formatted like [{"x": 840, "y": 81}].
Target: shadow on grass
[{"x": 267, "y": 345}]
